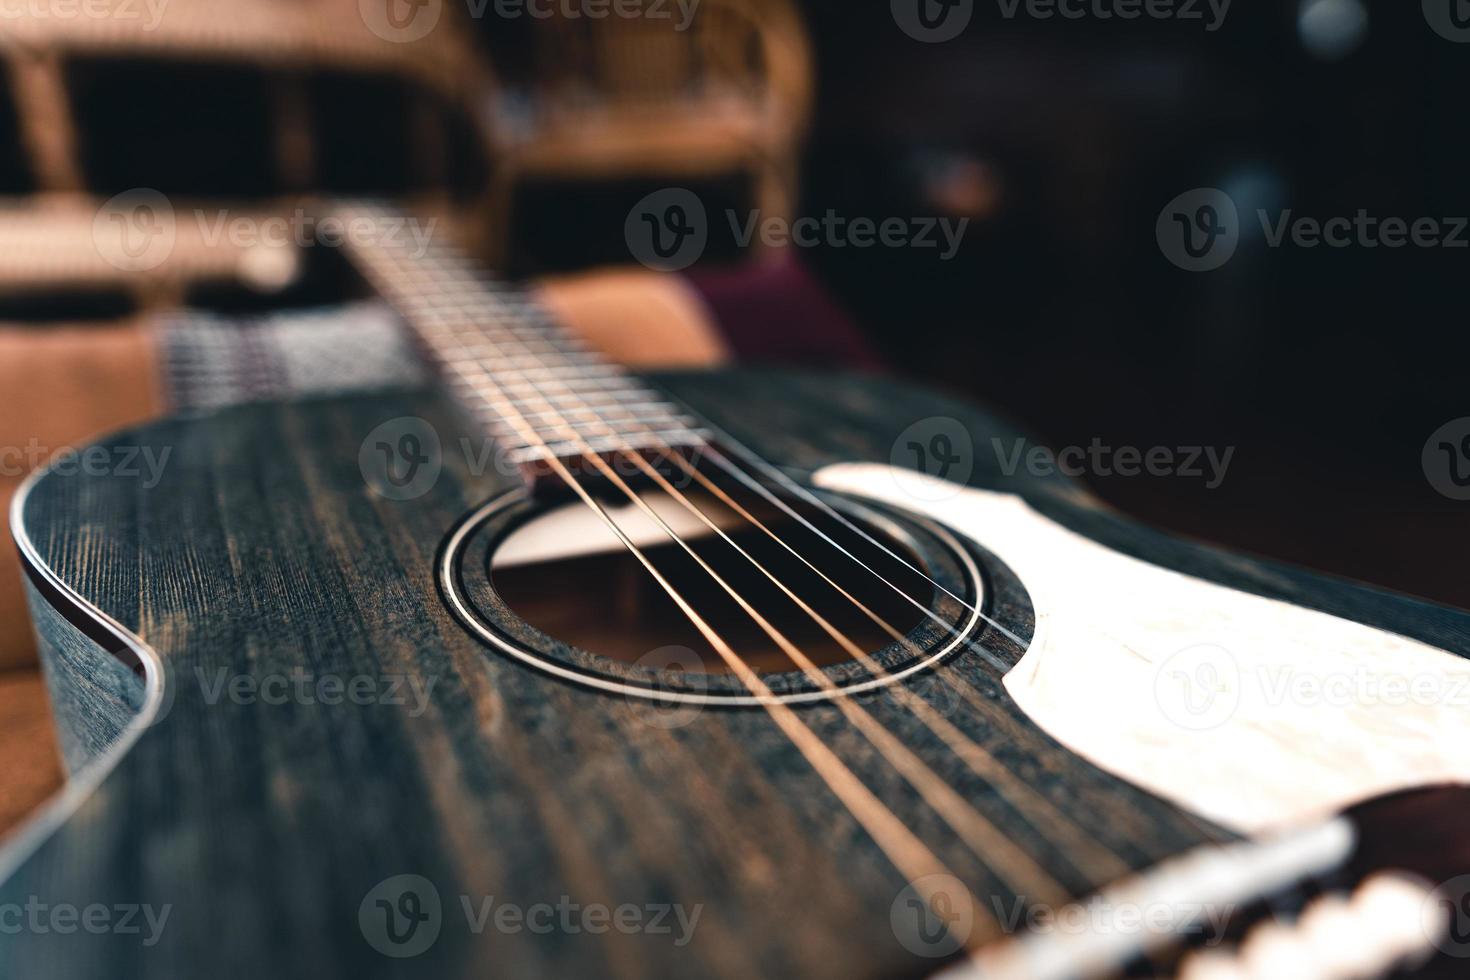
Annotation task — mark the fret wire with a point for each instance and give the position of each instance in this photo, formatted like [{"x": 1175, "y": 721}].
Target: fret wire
[
  {"x": 618, "y": 413},
  {"x": 515, "y": 360},
  {"x": 611, "y": 443},
  {"x": 609, "y": 399},
  {"x": 498, "y": 331},
  {"x": 601, "y": 427},
  {"x": 654, "y": 411},
  {"x": 550, "y": 347},
  {"x": 589, "y": 407},
  {"x": 554, "y": 373},
  {"x": 673, "y": 429}
]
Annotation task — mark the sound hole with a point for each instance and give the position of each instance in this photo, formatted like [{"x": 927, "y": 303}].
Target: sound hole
[{"x": 566, "y": 574}]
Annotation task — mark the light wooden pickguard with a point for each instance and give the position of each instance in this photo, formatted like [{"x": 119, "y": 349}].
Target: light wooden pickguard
[{"x": 1254, "y": 713}]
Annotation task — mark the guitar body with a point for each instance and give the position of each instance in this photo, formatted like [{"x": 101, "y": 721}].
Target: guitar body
[{"x": 180, "y": 623}]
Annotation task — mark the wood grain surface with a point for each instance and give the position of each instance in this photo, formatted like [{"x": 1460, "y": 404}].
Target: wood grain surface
[{"x": 264, "y": 828}]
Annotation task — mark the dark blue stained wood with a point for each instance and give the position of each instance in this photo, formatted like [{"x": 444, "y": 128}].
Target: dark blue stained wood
[{"x": 263, "y": 826}]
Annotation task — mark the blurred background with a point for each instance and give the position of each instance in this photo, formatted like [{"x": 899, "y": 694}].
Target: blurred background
[
  {"x": 1063, "y": 139},
  {"x": 1061, "y": 133}
]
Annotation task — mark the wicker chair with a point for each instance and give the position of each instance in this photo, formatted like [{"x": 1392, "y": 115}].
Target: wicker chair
[{"x": 616, "y": 98}]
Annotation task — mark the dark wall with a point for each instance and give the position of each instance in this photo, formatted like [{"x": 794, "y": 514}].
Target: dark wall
[{"x": 1326, "y": 368}]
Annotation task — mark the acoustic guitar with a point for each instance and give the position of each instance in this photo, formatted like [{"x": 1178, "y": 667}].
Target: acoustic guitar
[{"x": 558, "y": 670}]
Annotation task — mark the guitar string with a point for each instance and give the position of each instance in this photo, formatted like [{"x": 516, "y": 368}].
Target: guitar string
[
  {"x": 928, "y": 898},
  {"x": 1094, "y": 859},
  {"x": 1211, "y": 835},
  {"x": 999, "y": 853},
  {"x": 1116, "y": 872},
  {"x": 908, "y": 854},
  {"x": 1053, "y": 895},
  {"x": 1036, "y": 896},
  {"x": 667, "y": 453},
  {"x": 1274, "y": 904},
  {"x": 1090, "y": 856},
  {"x": 1116, "y": 867}
]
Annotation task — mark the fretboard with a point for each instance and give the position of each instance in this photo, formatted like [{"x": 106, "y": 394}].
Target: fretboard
[{"x": 540, "y": 390}]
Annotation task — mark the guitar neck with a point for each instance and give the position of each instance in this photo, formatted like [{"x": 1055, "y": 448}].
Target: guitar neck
[{"x": 541, "y": 391}]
